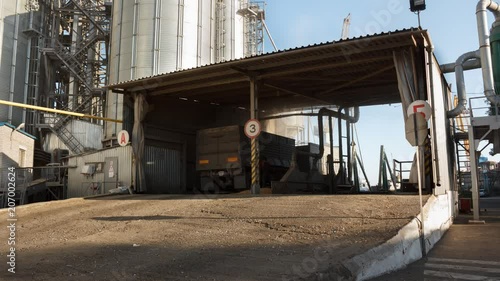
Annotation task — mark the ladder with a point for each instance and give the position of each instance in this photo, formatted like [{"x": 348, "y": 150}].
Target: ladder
[
  {"x": 343, "y": 181},
  {"x": 220, "y": 32},
  {"x": 461, "y": 133}
]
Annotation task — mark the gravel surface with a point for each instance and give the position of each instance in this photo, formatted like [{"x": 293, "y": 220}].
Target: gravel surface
[{"x": 199, "y": 237}]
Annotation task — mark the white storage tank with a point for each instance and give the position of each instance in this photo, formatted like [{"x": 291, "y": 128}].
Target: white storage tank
[
  {"x": 13, "y": 50},
  {"x": 151, "y": 37}
]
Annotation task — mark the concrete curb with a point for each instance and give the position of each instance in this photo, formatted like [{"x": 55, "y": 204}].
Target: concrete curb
[{"x": 404, "y": 248}]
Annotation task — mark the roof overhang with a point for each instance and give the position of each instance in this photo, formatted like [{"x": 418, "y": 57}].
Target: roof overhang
[
  {"x": 353, "y": 72},
  {"x": 14, "y": 129}
]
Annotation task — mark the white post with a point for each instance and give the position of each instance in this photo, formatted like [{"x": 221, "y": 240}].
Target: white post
[
  {"x": 473, "y": 174},
  {"x": 419, "y": 175}
]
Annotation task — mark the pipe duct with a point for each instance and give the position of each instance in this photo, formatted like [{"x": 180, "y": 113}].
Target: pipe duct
[
  {"x": 468, "y": 65},
  {"x": 321, "y": 113},
  {"x": 459, "y": 76},
  {"x": 485, "y": 49},
  {"x": 330, "y": 113}
]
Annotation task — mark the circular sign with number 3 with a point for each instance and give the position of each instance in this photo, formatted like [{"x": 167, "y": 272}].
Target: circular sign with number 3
[{"x": 252, "y": 128}]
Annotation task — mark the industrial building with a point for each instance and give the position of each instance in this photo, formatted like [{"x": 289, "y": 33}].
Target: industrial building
[
  {"x": 149, "y": 97},
  {"x": 16, "y": 146},
  {"x": 61, "y": 55},
  {"x": 137, "y": 66}
]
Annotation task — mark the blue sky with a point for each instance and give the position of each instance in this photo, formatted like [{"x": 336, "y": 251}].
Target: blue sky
[{"x": 452, "y": 26}]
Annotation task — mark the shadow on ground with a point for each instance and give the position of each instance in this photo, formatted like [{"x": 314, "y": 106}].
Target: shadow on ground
[
  {"x": 156, "y": 218},
  {"x": 168, "y": 262}
]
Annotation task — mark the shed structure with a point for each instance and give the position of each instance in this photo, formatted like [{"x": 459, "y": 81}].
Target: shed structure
[{"x": 387, "y": 68}]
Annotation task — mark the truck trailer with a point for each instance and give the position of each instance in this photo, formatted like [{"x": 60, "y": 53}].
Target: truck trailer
[{"x": 223, "y": 158}]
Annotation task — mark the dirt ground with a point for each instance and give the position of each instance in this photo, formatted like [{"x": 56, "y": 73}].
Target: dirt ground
[{"x": 199, "y": 237}]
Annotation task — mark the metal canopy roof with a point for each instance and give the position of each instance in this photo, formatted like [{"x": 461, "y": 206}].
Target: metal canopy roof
[{"x": 358, "y": 71}]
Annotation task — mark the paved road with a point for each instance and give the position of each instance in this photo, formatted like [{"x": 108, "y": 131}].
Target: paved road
[{"x": 466, "y": 252}]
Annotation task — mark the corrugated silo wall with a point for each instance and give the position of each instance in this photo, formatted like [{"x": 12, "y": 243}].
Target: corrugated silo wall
[
  {"x": 120, "y": 158},
  {"x": 14, "y": 20},
  {"x": 161, "y": 36}
]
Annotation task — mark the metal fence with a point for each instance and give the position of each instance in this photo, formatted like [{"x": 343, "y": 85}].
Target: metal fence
[
  {"x": 13, "y": 183},
  {"x": 18, "y": 183}
]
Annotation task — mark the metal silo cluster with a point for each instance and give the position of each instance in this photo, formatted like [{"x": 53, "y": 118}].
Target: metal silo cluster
[{"x": 152, "y": 37}]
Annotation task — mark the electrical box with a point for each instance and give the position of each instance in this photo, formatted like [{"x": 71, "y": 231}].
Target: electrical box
[
  {"x": 88, "y": 169},
  {"x": 417, "y": 5},
  {"x": 98, "y": 168}
]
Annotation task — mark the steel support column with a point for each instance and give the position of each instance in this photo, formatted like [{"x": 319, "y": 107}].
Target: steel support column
[
  {"x": 331, "y": 169},
  {"x": 341, "y": 150},
  {"x": 473, "y": 173},
  {"x": 254, "y": 114},
  {"x": 348, "y": 143}
]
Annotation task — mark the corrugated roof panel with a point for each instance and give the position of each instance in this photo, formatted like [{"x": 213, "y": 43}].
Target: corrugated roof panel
[{"x": 266, "y": 55}]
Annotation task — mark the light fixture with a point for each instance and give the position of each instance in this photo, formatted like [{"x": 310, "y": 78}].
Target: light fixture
[
  {"x": 21, "y": 126},
  {"x": 417, "y": 5}
]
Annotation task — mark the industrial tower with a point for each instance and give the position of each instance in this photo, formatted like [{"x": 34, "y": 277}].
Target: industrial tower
[
  {"x": 69, "y": 57},
  {"x": 69, "y": 43}
]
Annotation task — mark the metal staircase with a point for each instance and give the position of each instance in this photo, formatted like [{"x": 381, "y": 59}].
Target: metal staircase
[{"x": 79, "y": 54}]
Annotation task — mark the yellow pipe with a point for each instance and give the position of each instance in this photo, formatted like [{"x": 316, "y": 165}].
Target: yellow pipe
[{"x": 40, "y": 108}]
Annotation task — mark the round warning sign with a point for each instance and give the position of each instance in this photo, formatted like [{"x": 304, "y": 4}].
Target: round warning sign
[
  {"x": 420, "y": 106},
  {"x": 252, "y": 128},
  {"x": 123, "y": 138},
  {"x": 416, "y": 129}
]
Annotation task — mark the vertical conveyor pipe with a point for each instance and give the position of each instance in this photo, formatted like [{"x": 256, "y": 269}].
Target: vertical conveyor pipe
[
  {"x": 485, "y": 49},
  {"x": 341, "y": 173},
  {"x": 460, "y": 80},
  {"x": 348, "y": 146},
  {"x": 14, "y": 61},
  {"x": 27, "y": 70},
  {"x": 156, "y": 35}
]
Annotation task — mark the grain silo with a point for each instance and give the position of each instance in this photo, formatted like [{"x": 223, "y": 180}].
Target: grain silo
[
  {"x": 150, "y": 37},
  {"x": 13, "y": 48}
]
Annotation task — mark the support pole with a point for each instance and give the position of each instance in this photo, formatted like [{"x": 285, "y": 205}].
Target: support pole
[
  {"x": 341, "y": 173},
  {"x": 422, "y": 218},
  {"x": 254, "y": 114},
  {"x": 354, "y": 166},
  {"x": 393, "y": 178},
  {"x": 381, "y": 168},
  {"x": 349, "y": 158},
  {"x": 363, "y": 170},
  {"x": 473, "y": 173},
  {"x": 331, "y": 169}
]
